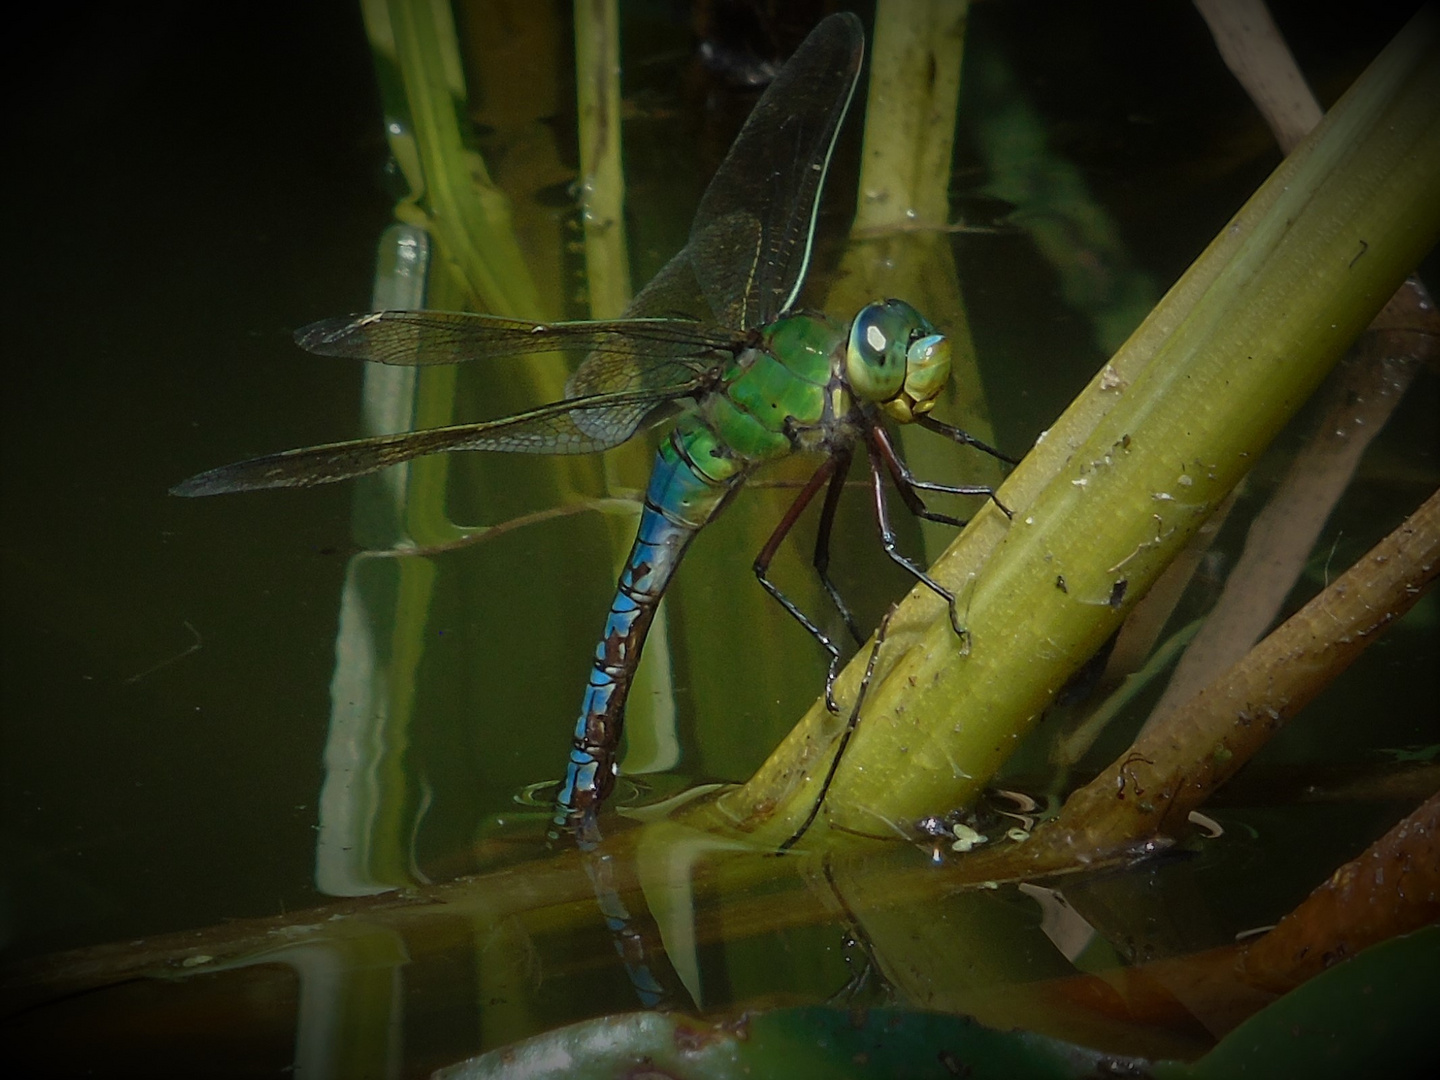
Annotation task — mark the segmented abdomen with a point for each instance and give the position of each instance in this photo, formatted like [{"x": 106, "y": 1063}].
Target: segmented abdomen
[{"x": 678, "y": 503}]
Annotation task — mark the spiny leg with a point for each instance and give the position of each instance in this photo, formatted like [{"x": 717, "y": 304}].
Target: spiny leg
[
  {"x": 850, "y": 725},
  {"x": 908, "y": 484},
  {"x": 767, "y": 553},
  {"x": 964, "y": 438},
  {"x": 878, "y": 447},
  {"x": 822, "y": 542}
]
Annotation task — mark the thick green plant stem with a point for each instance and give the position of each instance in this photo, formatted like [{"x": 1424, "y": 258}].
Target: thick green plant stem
[{"x": 1136, "y": 465}]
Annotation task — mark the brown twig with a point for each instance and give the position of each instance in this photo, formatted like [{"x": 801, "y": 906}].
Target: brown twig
[
  {"x": 1172, "y": 768},
  {"x": 1393, "y": 888}
]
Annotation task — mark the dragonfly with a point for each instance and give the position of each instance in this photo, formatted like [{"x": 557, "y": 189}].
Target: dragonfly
[{"x": 718, "y": 342}]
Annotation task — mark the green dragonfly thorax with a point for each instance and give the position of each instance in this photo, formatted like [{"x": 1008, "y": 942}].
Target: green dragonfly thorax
[
  {"x": 896, "y": 359},
  {"x": 803, "y": 383},
  {"x": 771, "y": 393}
]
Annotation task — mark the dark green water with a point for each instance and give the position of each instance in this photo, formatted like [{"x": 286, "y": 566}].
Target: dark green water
[{"x": 189, "y": 189}]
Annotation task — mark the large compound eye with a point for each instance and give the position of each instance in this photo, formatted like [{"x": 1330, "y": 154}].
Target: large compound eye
[
  {"x": 927, "y": 371},
  {"x": 875, "y": 356}
]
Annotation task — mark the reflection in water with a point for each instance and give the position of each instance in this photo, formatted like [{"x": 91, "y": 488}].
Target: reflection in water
[{"x": 177, "y": 799}]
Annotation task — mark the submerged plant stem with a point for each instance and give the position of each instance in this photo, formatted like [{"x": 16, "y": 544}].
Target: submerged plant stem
[{"x": 1392, "y": 888}]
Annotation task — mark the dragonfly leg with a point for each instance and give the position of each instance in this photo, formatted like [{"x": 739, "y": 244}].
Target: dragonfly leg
[
  {"x": 881, "y": 450},
  {"x": 909, "y": 484},
  {"x": 822, "y": 542},
  {"x": 964, "y": 438},
  {"x": 767, "y": 553},
  {"x": 850, "y": 725}
]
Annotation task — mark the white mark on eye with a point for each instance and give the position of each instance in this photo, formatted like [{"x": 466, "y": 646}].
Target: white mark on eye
[{"x": 875, "y": 338}]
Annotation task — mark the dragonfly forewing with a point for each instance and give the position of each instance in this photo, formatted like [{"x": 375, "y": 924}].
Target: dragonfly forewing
[
  {"x": 608, "y": 420},
  {"x": 419, "y": 338}
]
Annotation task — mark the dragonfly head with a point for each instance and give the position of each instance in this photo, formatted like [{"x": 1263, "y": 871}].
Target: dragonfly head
[{"x": 896, "y": 359}]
